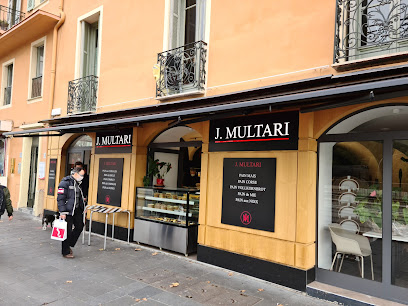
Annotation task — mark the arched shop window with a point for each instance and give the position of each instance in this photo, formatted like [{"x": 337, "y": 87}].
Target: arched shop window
[
  {"x": 181, "y": 147},
  {"x": 79, "y": 150},
  {"x": 363, "y": 201}
]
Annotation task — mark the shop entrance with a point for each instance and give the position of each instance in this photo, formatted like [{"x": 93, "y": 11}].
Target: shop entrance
[
  {"x": 33, "y": 173},
  {"x": 80, "y": 151},
  {"x": 167, "y": 207},
  {"x": 363, "y": 203}
]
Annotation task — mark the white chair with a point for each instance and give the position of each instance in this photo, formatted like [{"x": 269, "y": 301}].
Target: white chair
[{"x": 352, "y": 244}]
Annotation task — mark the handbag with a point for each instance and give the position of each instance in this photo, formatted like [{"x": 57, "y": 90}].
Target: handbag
[{"x": 59, "y": 230}]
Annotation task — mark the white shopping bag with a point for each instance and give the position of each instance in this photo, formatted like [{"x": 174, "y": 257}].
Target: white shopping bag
[{"x": 59, "y": 231}]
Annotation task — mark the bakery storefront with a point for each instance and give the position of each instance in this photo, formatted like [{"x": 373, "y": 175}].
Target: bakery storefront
[{"x": 290, "y": 189}]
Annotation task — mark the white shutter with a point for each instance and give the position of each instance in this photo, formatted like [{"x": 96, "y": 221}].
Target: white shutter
[
  {"x": 18, "y": 8},
  {"x": 9, "y": 13},
  {"x": 84, "y": 48},
  {"x": 30, "y": 5},
  {"x": 175, "y": 23}
]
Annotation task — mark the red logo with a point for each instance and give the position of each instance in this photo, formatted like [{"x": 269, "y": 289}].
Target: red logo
[
  {"x": 107, "y": 199},
  {"x": 246, "y": 218}
]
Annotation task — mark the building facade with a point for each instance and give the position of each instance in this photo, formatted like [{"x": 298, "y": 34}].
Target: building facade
[{"x": 279, "y": 129}]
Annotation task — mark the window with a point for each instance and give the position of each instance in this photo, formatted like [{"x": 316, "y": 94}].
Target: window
[
  {"x": 89, "y": 45},
  {"x": 181, "y": 69},
  {"x": 7, "y": 81},
  {"x": 31, "y": 4},
  {"x": 186, "y": 22},
  {"x": 368, "y": 28},
  {"x": 35, "y": 85},
  {"x": 14, "y": 12}
]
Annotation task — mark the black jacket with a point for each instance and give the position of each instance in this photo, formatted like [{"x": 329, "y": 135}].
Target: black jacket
[{"x": 66, "y": 198}]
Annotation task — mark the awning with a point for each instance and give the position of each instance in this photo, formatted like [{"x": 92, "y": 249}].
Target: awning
[{"x": 304, "y": 101}]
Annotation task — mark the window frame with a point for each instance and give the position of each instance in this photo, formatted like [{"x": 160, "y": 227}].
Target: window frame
[
  {"x": 33, "y": 69},
  {"x": 5, "y": 81}
]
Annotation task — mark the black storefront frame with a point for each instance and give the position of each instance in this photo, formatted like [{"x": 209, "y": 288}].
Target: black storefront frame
[{"x": 383, "y": 289}]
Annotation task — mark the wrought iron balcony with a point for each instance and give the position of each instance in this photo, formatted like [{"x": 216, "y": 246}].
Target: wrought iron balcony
[
  {"x": 9, "y": 17},
  {"x": 82, "y": 95},
  {"x": 7, "y": 96},
  {"x": 36, "y": 87},
  {"x": 367, "y": 28},
  {"x": 181, "y": 69}
]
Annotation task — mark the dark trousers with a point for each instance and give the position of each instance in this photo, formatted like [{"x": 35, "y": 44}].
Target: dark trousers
[{"x": 72, "y": 235}]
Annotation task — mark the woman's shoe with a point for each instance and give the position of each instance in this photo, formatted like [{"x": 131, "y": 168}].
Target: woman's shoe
[{"x": 68, "y": 256}]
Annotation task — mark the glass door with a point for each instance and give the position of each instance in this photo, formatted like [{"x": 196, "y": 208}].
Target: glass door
[{"x": 399, "y": 214}]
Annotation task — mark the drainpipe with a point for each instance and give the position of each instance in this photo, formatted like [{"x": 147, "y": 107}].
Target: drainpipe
[{"x": 54, "y": 56}]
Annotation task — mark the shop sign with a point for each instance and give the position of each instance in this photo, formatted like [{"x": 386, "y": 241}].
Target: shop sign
[
  {"x": 114, "y": 142},
  {"x": 248, "y": 197},
  {"x": 51, "y": 176},
  {"x": 277, "y": 131},
  {"x": 110, "y": 181}
]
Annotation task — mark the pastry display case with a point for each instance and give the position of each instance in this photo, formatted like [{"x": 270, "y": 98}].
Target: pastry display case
[{"x": 167, "y": 218}]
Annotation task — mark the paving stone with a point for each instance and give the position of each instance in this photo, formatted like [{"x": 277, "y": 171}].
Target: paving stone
[
  {"x": 152, "y": 275},
  {"x": 145, "y": 292},
  {"x": 172, "y": 299},
  {"x": 122, "y": 301},
  {"x": 233, "y": 297}
]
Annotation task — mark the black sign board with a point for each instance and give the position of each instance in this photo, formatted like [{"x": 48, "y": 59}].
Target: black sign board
[
  {"x": 277, "y": 131},
  {"x": 110, "y": 181},
  {"x": 114, "y": 142},
  {"x": 248, "y": 197},
  {"x": 51, "y": 176}
]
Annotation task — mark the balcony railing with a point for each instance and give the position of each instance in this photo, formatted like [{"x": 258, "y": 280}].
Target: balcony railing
[
  {"x": 82, "y": 95},
  {"x": 366, "y": 28},
  {"x": 36, "y": 87},
  {"x": 7, "y": 96},
  {"x": 9, "y": 17},
  {"x": 182, "y": 69}
]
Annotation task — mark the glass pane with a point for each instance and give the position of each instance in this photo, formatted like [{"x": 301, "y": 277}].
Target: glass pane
[
  {"x": 350, "y": 208},
  {"x": 190, "y": 26},
  {"x": 40, "y": 61},
  {"x": 73, "y": 158},
  {"x": 83, "y": 141},
  {"x": 399, "y": 272}
]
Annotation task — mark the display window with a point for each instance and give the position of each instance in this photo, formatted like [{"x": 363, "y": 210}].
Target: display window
[{"x": 362, "y": 229}]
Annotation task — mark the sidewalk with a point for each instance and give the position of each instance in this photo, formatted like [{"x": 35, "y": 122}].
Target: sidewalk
[{"x": 33, "y": 272}]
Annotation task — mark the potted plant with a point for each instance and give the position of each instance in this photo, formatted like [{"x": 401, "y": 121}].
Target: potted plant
[
  {"x": 156, "y": 169},
  {"x": 4, "y": 24}
]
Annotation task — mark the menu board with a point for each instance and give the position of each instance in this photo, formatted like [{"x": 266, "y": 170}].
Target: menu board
[
  {"x": 110, "y": 181},
  {"x": 248, "y": 198},
  {"x": 51, "y": 176}
]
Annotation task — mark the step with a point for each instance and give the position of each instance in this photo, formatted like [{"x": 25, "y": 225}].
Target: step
[{"x": 345, "y": 297}]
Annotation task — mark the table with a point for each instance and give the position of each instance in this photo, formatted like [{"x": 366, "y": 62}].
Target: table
[
  {"x": 372, "y": 234},
  {"x": 105, "y": 210}
]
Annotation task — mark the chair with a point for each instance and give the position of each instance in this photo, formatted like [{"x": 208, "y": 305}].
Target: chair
[{"x": 352, "y": 244}]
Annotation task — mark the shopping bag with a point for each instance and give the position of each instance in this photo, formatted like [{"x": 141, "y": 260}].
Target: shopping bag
[{"x": 59, "y": 230}]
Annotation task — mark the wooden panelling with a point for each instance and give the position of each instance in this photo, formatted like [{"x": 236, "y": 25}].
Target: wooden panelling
[
  {"x": 305, "y": 255},
  {"x": 306, "y": 199},
  {"x": 251, "y": 245}
]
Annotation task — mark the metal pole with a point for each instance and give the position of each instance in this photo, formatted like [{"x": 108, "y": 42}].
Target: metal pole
[
  {"x": 106, "y": 231},
  {"x": 113, "y": 224},
  {"x": 128, "y": 226},
  {"x": 90, "y": 228}
]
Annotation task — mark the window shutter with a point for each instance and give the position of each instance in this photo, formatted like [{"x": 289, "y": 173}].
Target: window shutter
[
  {"x": 30, "y": 5},
  {"x": 174, "y": 24}
]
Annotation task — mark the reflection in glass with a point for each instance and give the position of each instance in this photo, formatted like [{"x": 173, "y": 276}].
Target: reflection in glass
[
  {"x": 350, "y": 208},
  {"x": 399, "y": 265}
]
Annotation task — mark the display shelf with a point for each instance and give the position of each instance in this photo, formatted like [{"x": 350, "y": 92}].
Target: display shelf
[
  {"x": 171, "y": 212},
  {"x": 168, "y": 200}
]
